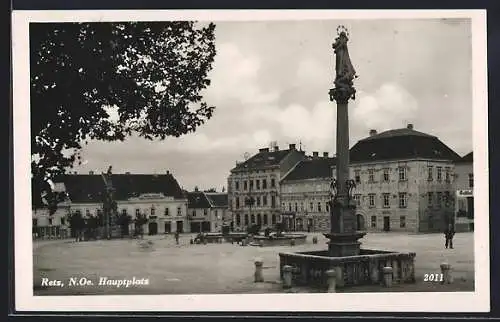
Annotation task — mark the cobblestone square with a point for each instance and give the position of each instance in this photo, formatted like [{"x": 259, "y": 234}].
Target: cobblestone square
[{"x": 225, "y": 268}]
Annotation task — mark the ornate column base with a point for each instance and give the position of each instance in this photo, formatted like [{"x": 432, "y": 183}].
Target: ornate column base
[{"x": 344, "y": 244}]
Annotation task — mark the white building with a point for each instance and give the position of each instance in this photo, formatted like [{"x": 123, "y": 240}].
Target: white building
[{"x": 464, "y": 186}]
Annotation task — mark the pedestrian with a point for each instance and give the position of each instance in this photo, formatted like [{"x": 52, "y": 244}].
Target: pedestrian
[
  {"x": 177, "y": 237},
  {"x": 448, "y": 235}
]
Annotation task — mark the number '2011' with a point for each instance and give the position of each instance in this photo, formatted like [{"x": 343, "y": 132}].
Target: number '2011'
[{"x": 433, "y": 277}]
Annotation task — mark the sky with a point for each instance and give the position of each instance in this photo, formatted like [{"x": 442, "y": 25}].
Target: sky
[{"x": 270, "y": 82}]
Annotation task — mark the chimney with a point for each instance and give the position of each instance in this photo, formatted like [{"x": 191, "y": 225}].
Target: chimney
[
  {"x": 264, "y": 150},
  {"x": 291, "y": 146},
  {"x": 276, "y": 148},
  {"x": 325, "y": 154},
  {"x": 127, "y": 172},
  {"x": 373, "y": 132},
  {"x": 91, "y": 172},
  {"x": 315, "y": 155},
  {"x": 409, "y": 126},
  {"x": 168, "y": 172}
]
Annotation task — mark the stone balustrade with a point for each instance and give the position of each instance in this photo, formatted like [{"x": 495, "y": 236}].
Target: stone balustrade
[{"x": 310, "y": 268}]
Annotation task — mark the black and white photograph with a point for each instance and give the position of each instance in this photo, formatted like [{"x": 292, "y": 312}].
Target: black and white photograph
[{"x": 302, "y": 160}]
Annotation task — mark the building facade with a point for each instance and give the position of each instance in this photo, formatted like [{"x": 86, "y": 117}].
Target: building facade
[
  {"x": 464, "y": 189},
  {"x": 253, "y": 187},
  {"x": 219, "y": 213},
  {"x": 157, "y": 197},
  {"x": 305, "y": 194},
  {"x": 404, "y": 182}
]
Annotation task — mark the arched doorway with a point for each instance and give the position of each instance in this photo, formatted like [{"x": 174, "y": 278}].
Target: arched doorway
[{"x": 360, "y": 222}]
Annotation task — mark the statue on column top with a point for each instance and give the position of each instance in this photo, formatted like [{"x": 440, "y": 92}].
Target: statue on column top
[{"x": 344, "y": 70}]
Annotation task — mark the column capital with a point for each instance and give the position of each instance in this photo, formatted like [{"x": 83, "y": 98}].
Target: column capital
[{"x": 342, "y": 94}]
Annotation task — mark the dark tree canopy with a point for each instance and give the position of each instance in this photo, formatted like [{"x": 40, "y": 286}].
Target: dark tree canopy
[{"x": 152, "y": 73}]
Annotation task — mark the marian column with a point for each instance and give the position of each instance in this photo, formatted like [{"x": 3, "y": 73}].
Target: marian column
[{"x": 343, "y": 231}]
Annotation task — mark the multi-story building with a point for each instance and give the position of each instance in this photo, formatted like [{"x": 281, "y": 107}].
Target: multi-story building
[
  {"x": 219, "y": 212},
  {"x": 404, "y": 182},
  {"x": 44, "y": 225},
  {"x": 253, "y": 186},
  {"x": 464, "y": 189},
  {"x": 199, "y": 213},
  {"x": 157, "y": 196},
  {"x": 305, "y": 193}
]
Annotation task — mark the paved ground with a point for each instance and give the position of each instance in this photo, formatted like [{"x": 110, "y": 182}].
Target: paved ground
[{"x": 225, "y": 268}]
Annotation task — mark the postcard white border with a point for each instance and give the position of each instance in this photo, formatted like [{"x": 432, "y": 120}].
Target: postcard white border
[{"x": 478, "y": 301}]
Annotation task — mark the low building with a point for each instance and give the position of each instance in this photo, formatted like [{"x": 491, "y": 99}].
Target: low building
[
  {"x": 156, "y": 196},
  {"x": 219, "y": 213},
  {"x": 199, "y": 212},
  {"x": 464, "y": 186},
  {"x": 253, "y": 186},
  {"x": 45, "y": 225}
]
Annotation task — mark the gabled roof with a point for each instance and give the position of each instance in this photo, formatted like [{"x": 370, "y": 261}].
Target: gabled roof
[
  {"x": 468, "y": 158},
  {"x": 312, "y": 169},
  {"x": 401, "y": 144},
  {"x": 90, "y": 188},
  {"x": 198, "y": 199},
  {"x": 217, "y": 199},
  {"x": 263, "y": 159}
]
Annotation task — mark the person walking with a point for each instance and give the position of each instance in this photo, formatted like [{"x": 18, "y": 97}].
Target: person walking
[
  {"x": 449, "y": 234},
  {"x": 177, "y": 237}
]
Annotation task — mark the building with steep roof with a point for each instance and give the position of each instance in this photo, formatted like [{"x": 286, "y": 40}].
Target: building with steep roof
[
  {"x": 253, "y": 186},
  {"x": 219, "y": 211},
  {"x": 464, "y": 187},
  {"x": 157, "y": 196},
  {"x": 404, "y": 182}
]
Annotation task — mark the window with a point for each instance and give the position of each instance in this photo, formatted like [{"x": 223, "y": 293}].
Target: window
[
  {"x": 371, "y": 176},
  {"x": 471, "y": 180},
  {"x": 387, "y": 200},
  {"x": 374, "y": 221},
  {"x": 137, "y": 212},
  {"x": 246, "y": 219},
  {"x": 327, "y": 209},
  {"x": 63, "y": 221},
  {"x": 251, "y": 184},
  {"x": 194, "y": 213},
  {"x": 430, "y": 197},
  {"x": 402, "y": 174},
  {"x": 273, "y": 219},
  {"x": 447, "y": 174},
  {"x": 179, "y": 211},
  {"x": 265, "y": 219},
  {"x": 153, "y": 211},
  {"x": 245, "y": 185},
  {"x": 402, "y": 221},
  {"x": 273, "y": 201},
  {"x": 50, "y": 221},
  {"x": 124, "y": 211},
  {"x": 215, "y": 214},
  {"x": 264, "y": 184},
  {"x": 258, "y": 201},
  {"x": 273, "y": 183},
  {"x": 319, "y": 206},
  {"x": 237, "y": 200},
  {"x": 35, "y": 222},
  {"x": 236, "y": 185},
  {"x": 357, "y": 177},
  {"x": 446, "y": 198},
  {"x": 290, "y": 206},
  {"x": 311, "y": 206},
  {"x": 371, "y": 200},
  {"x": 302, "y": 206},
  {"x": 252, "y": 218},
  {"x": 257, "y": 184},
  {"x": 429, "y": 173},
  {"x": 167, "y": 211},
  {"x": 439, "y": 198},
  {"x": 403, "y": 200},
  {"x": 385, "y": 175},
  {"x": 296, "y": 207},
  {"x": 357, "y": 198},
  {"x": 87, "y": 212},
  {"x": 238, "y": 220},
  {"x": 439, "y": 174},
  {"x": 264, "y": 200}
]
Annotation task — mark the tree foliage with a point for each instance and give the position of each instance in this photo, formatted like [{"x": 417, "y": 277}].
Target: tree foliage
[{"x": 151, "y": 73}]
